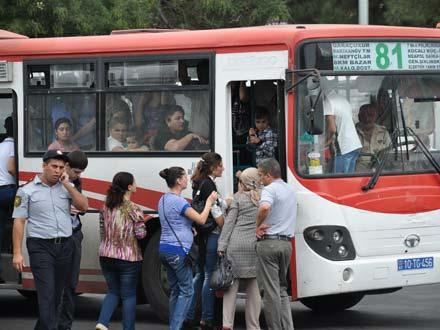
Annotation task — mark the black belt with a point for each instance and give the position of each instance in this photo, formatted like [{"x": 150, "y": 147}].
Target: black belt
[
  {"x": 56, "y": 240},
  {"x": 8, "y": 186},
  {"x": 278, "y": 237}
]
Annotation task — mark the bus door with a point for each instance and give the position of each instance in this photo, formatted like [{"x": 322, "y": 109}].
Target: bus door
[
  {"x": 254, "y": 102},
  {"x": 7, "y": 113}
]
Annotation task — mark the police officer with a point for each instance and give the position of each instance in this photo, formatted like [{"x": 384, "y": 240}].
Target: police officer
[
  {"x": 77, "y": 164},
  {"x": 45, "y": 204}
]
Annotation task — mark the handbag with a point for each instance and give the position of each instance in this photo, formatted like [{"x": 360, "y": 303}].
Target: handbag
[
  {"x": 191, "y": 256},
  {"x": 199, "y": 205},
  {"x": 223, "y": 277}
]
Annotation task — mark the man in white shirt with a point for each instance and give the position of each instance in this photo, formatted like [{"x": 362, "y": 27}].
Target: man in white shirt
[
  {"x": 339, "y": 123},
  {"x": 7, "y": 182},
  {"x": 276, "y": 219}
]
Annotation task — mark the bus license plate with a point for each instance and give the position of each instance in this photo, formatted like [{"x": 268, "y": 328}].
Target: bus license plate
[{"x": 415, "y": 263}]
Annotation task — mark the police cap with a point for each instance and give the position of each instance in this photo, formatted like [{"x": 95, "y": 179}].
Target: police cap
[{"x": 55, "y": 154}]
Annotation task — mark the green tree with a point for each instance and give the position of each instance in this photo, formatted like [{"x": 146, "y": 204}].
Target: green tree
[
  {"x": 411, "y": 12},
  {"x": 72, "y": 17},
  {"x": 208, "y": 14}
]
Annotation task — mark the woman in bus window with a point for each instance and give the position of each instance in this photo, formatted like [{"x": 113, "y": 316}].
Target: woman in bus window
[
  {"x": 208, "y": 169},
  {"x": 174, "y": 135},
  {"x": 120, "y": 256},
  {"x": 63, "y": 136},
  {"x": 176, "y": 218}
]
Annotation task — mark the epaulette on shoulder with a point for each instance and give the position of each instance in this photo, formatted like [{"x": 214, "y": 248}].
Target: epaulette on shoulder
[{"x": 22, "y": 185}]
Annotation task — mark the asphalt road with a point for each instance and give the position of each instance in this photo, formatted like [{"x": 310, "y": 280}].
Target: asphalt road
[{"x": 412, "y": 308}]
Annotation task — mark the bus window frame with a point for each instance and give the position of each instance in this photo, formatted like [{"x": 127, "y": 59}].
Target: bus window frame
[
  {"x": 101, "y": 89},
  {"x": 298, "y": 49}
]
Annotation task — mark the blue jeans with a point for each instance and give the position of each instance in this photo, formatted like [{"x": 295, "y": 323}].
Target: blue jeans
[
  {"x": 180, "y": 281},
  {"x": 202, "y": 279},
  {"x": 121, "y": 276},
  {"x": 7, "y": 194},
  {"x": 346, "y": 163}
]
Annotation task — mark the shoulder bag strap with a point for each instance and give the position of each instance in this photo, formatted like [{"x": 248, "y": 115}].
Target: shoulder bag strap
[{"x": 172, "y": 229}]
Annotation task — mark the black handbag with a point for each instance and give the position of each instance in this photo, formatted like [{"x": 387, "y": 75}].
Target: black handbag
[
  {"x": 199, "y": 205},
  {"x": 191, "y": 256},
  {"x": 223, "y": 277}
]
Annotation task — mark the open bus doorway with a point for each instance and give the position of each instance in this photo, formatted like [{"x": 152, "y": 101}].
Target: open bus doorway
[
  {"x": 7, "y": 118},
  {"x": 252, "y": 102}
]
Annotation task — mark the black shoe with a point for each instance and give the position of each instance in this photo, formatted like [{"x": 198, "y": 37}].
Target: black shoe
[
  {"x": 190, "y": 325},
  {"x": 2, "y": 281}
]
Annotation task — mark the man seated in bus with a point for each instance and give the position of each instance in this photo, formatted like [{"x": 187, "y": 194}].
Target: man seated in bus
[
  {"x": 341, "y": 132},
  {"x": 173, "y": 134},
  {"x": 374, "y": 138}
]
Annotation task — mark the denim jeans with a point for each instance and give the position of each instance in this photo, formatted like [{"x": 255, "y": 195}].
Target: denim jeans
[
  {"x": 7, "y": 195},
  {"x": 201, "y": 282},
  {"x": 180, "y": 282},
  {"x": 346, "y": 163},
  {"x": 121, "y": 276}
]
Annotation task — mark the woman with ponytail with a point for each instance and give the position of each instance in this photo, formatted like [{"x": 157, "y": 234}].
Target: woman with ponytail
[
  {"x": 176, "y": 218},
  {"x": 120, "y": 256},
  {"x": 208, "y": 169}
]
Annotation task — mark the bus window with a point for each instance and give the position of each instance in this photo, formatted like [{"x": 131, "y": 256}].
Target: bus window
[
  {"x": 145, "y": 114},
  {"x": 70, "y": 100},
  {"x": 46, "y": 110},
  {"x": 389, "y": 104}
]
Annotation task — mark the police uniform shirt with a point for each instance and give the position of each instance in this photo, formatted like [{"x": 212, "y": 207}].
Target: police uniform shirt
[{"x": 47, "y": 209}]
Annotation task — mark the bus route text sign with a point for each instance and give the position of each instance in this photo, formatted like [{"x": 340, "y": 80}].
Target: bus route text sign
[{"x": 380, "y": 56}]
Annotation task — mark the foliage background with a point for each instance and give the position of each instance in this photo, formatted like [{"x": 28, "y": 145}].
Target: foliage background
[{"x": 46, "y": 18}]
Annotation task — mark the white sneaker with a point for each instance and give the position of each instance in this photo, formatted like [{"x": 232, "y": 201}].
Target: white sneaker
[{"x": 100, "y": 326}]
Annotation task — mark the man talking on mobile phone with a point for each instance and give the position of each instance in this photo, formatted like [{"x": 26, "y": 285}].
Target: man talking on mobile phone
[{"x": 45, "y": 204}]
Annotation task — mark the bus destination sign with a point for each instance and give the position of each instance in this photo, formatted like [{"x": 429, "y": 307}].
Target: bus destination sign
[{"x": 380, "y": 56}]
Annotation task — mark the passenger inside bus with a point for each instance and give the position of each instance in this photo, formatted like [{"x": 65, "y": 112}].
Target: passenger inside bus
[
  {"x": 135, "y": 141},
  {"x": 374, "y": 138},
  {"x": 148, "y": 114},
  {"x": 63, "y": 136},
  {"x": 173, "y": 135},
  {"x": 262, "y": 139},
  {"x": 116, "y": 141},
  {"x": 341, "y": 137}
]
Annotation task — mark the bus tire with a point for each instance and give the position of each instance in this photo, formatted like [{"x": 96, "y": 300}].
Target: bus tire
[
  {"x": 332, "y": 303},
  {"x": 154, "y": 280}
]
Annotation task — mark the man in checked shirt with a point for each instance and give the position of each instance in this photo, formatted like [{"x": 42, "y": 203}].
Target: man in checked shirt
[{"x": 262, "y": 138}]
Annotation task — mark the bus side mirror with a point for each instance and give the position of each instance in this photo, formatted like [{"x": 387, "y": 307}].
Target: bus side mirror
[{"x": 314, "y": 107}]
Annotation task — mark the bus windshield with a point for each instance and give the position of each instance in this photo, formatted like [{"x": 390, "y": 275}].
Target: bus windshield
[{"x": 372, "y": 114}]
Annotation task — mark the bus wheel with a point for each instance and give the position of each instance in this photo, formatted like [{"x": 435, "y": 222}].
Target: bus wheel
[
  {"x": 154, "y": 279},
  {"x": 29, "y": 294},
  {"x": 332, "y": 303}
]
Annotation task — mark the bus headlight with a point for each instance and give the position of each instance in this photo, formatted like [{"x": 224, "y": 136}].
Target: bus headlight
[
  {"x": 342, "y": 250},
  {"x": 337, "y": 236},
  {"x": 331, "y": 242}
]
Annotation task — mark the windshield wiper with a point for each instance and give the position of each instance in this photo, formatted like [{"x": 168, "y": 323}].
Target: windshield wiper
[
  {"x": 424, "y": 149},
  {"x": 382, "y": 161}
]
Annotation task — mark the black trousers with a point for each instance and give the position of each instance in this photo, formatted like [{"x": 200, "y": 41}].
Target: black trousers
[
  {"x": 66, "y": 309},
  {"x": 50, "y": 263}
]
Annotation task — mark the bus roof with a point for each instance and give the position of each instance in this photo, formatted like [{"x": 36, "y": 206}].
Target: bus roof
[
  {"x": 219, "y": 40},
  {"x": 11, "y": 35}
]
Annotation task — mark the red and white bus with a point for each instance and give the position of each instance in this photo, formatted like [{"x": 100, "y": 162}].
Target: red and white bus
[{"x": 373, "y": 230}]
